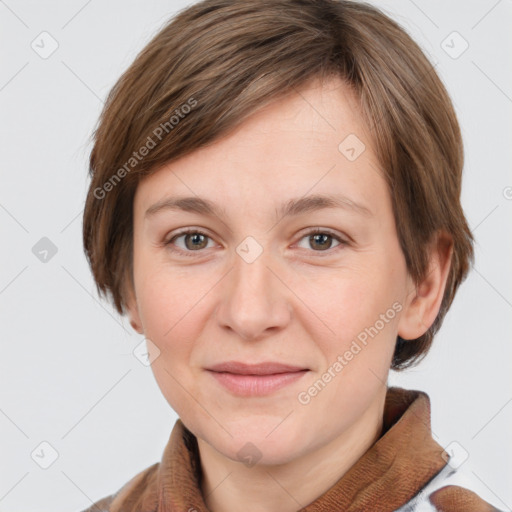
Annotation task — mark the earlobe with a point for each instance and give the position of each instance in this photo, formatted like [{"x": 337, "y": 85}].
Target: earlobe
[
  {"x": 424, "y": 301},
  {"x": 136, "y": 326},
  {"x": 133, "y": 313}
]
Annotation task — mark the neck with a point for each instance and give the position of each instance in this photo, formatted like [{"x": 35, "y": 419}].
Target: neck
[{"x": 230, "y": 485}]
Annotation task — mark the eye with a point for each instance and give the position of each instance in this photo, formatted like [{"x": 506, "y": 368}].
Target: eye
[
  {"x": 193, "y": 241},
  {"x": 321, "y": 240}
]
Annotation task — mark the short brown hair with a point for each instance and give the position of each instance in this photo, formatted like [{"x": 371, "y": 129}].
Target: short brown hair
[{"x": 218, "y": 61}]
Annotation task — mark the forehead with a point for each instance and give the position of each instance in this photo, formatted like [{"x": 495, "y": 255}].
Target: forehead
[{"x": 313, "y": 139}]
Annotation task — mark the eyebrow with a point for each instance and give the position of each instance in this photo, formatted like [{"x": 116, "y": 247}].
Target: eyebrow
[{"x": 293, "y": 207}]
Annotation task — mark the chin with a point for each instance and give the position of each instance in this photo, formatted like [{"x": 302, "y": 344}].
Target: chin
[
  {"x": 259, "y": 453},
  {"x": 262, "y": 441}
]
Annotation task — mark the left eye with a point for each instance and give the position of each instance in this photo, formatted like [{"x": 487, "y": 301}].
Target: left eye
[{"x": 321, "y": 240}]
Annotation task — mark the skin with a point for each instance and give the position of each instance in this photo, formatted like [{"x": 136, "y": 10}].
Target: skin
[{"x": 300, "y": 302}]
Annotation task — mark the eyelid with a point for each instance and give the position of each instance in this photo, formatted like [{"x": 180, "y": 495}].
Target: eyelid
[
  {"x": 342, "y": 241},
  {"x": 341, "y": 236},
  {"x": 320, "y": 230},
  {"x": 185, "y": 231}
]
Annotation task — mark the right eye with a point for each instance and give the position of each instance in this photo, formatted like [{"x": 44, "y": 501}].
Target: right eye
[{"x": 193, "y": 241}]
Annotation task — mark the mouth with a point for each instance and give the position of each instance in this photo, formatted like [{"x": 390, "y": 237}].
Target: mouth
[
  {"x": 265, "y": 368},
  {"x": 255, "y": 379}
]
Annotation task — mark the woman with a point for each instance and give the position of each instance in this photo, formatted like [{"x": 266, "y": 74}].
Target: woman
[{"x": 275, "y": 203}]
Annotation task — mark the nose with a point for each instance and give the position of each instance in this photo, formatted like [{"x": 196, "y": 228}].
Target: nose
[{"x": 254, "y": 300}]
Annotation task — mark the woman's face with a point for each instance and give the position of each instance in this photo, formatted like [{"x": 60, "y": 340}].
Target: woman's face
[{"x": 253, "y": 283}]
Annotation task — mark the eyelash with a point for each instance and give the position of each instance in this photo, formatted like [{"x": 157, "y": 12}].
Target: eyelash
[{"x": 315, "y": 231}]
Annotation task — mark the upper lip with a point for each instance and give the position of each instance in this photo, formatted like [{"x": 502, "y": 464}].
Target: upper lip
[{"x": 266, "y": 368}]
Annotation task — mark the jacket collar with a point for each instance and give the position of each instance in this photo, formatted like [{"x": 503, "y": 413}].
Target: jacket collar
[{"x": 391, "y": 472}]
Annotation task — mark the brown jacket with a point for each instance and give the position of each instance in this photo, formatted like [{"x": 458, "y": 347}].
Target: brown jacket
[{"x": 392, "y": 475}]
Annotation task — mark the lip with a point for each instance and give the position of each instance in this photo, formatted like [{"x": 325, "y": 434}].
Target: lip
[
  {"x": 255, "y": 379},
  {"x": 265, "y": 368}
]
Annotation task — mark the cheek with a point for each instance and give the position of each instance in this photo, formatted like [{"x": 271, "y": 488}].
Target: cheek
[
  {"x": 172, "y": 314},
  {"x": 169, "y": 298},
  {"x": 359, "y": 305},
  {"x": 343, "y": 300}
]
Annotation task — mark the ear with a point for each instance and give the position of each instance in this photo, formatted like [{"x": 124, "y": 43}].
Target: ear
[
  {"x": 424, "y": 301},
  {"x": 133, "y": 311}
]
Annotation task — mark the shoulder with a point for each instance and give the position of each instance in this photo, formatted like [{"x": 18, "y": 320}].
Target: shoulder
[
  {"x": 102, "y": 505},
  {"x": 452, "y": 490},
  {"x": 452, "y": 498},
  {"x": 139, "y": 493},
  {"x": 456, "y": 490}
]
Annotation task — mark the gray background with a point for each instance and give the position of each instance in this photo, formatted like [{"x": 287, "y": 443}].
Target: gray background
[{"x": 68, "y": 375}]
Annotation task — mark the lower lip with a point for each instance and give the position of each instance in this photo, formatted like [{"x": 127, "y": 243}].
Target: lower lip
[{"x": 256, "y": 385}]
